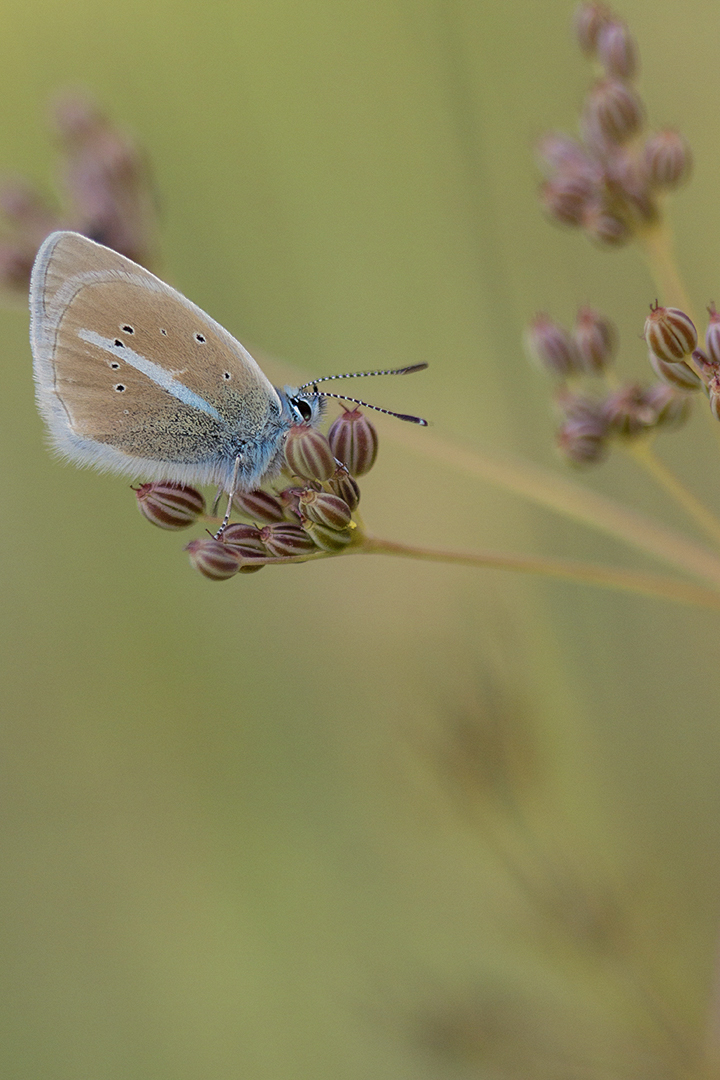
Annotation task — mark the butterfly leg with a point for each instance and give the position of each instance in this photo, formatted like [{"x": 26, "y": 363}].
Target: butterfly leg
[{"x": 231, "y": 493}]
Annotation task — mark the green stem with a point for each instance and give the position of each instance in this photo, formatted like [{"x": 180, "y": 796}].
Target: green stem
[
  {"x": 572, "y": 500},
  {"x": 703, "y": 518},
  {"x": 586, "y": 573}
]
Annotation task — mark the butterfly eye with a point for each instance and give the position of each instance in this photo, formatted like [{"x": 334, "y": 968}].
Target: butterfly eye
[{"x": 303, "y": 408}]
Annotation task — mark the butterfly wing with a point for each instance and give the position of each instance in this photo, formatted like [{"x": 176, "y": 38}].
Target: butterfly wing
[{"x": 133, "y": 377}]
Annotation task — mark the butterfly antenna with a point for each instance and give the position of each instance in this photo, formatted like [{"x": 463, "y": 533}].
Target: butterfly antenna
[
  {"x": 388, "y": 412},
  {"x": 365, "y": 375}
]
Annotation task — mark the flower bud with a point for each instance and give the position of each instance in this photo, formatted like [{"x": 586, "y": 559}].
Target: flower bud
[
  {"x": 615, "y": 109},
  {"x": 596, "y": 340},
  {"x": 325, "y": 508},
  {"x": 712, "y": 335},
  {"x": 212, "y": 558},
  {"x": 580, "y": 443},
  {"x": 168, "y": 505},
  {"x": 557, "y": 152},
  {"x": 603, "y": 227},
  {"x": 260, "y": 506},
  {"x": 286, "y": 539},
  {"x": 346, "y": 487},
  {"x": 628, "y": 412},
  {"x": 671, "y": 407},
  {"x": 324, "y": 537},
  {"x": 670, "y": 334},
  {"x": 552, "y": 347},
  {"x": 713, "y": 389},
  {"x": 589, "y": 20},
  {"x": 679, "y": 376},
  {"x": 566, "y": 196},
  {"x": 245, "y": 540},
  {"x": 354, "y": 442},
  {"x": 626, "y": 179},
  {"x": 616, "y": 50},
  {"x": 308, "y": 453},
  {"x": 667, "y": 159}
]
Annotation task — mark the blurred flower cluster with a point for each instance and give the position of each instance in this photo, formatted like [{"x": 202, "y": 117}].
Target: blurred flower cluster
[
  {"x": 610, "y": 180},
  {"x": 609, "y": 183},
  {"x": 104, "y": 192},
  {"x": 309, "y": 512}
]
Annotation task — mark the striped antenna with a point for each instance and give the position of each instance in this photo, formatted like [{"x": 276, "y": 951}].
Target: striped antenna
[
  {"x": 365, "y": 375},
  {"x": 365, "y": 404}
]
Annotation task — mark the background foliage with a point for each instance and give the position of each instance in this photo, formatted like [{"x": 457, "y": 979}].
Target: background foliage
[{"x": 364, "y": 817}]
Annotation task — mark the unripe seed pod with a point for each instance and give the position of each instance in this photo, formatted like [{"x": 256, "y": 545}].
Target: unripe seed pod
[
  {"x": 679, "y": 376},
  {"x": 615, "y": 109},
  {"x": 671, "y": 407},
  {"x": 605, "y": 228},
  {"x": 308, "y": 453},
  {"x": 628, "y": 412},
  {"x": 667, "y": 159},
  {"x": 325, "y": 508},
  {"x": 354, "y": 442},
  {"x": 168, "y": 505},
  {"x": 589, "y": 20},
  {"x": 596, "y": 340},
  {"x": 259, "y": 506},
  {"x": 245, "y": 540},
  {"x": 670, "y": 334},
  {"x": 712, "y": 335},
  {"x": 580, "y": 443},
  {"x": 324, "y": 537},
  {"x": 557, "y": 152},
  {"x": 565, "y": 197},
  {"x": 346, "y": 487},
  {"x": 714, "y": 395},
  {"x": 212, "y": 558},
  {"x": 552, "y": 347},
  {"x": 616, "y": 50},
  {"x": 287, "y": 539}
]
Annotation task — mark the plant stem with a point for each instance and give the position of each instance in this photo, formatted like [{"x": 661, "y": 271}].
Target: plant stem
[
  {"x": 576, "y": 502},
  {"x": 656, "y": 245},
  {"x": 703, "y": 518},
  {"x": 586, "y": 573}
]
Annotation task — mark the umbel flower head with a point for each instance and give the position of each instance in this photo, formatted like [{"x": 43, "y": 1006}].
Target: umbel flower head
[{"x": 309, "y": 517}]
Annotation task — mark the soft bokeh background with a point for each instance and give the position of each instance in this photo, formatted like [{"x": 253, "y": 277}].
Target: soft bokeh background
[{"x": 364, "y": 818}]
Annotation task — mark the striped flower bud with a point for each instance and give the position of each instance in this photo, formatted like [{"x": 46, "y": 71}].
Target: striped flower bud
[
  {"x": 596, "y": 340},
  {"x": 286, "y": 539},
  {"x": 613, "y": 107},
  {"x": 557, "y": 152},
  {"x": 580, "y": 442},
  {"x": 628, "y": 412},
  {"x": 325, "y": 508},
  {"x": 603, "y": 227},
  {"x": 346, "y": 487},
  {"x": 244, "y": 539},
  {"x": 712, "y": 335},
  {"x": 170, "y": 506},
  {"x": 671, "y": 407},
  {"x": 616, "y": 50},
  {"x": 589, "y": 20},
  {"x": 308, "y": 453},
  {"x": 566, "y": 197},
  {"x": 552, "y": 347},
  {"x": 324, "y": 537},
  {"x": 679, "y": 376},
  {"x": 212, "y": 558},
  {"x": 259, "y": 506},
  {"x": 713, "y": 389},
  {"x": 354, "y": 442},
  {"x": 670, "y": 334},
  {"x": 667, "y": 159}
]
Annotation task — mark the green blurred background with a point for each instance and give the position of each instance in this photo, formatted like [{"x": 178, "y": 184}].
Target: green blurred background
[{"x": 363, "y": 818}]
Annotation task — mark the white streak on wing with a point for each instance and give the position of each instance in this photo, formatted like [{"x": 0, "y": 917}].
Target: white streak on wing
[{"x": 159, "y": 375}]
